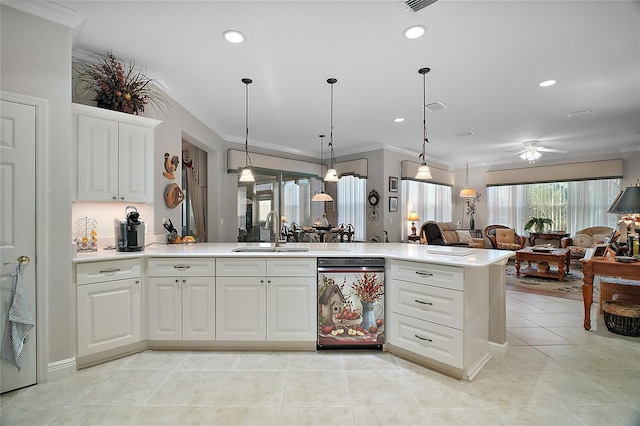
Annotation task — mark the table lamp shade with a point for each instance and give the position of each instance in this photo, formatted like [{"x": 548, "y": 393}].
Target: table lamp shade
[
  {"x": 413, "y": 216},
  {"x": 628, "y": 201}
]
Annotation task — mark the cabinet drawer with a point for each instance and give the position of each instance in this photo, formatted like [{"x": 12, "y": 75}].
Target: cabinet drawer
[
  {"x": 247, "y": 267},
  {"x": 433, "y": 341},
  {"x": 439, "y": 305},
  {"x": 423, "y": 273},
  {"x": 291, "y": 267},
  {"x": 108, "y": 270},
  {"x": 182, "y": 267}
]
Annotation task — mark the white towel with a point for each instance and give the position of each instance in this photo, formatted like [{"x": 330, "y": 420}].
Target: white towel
[{"x": 19, "y": 322}]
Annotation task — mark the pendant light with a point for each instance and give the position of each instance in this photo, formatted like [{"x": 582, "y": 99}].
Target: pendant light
[
  {"x": 322, "y": 196},
  {"x": 332, "y": 174},
  {"x": 246, "y": 175},
  {"x": 467, "y": 192},
  {"x": 423, "y": 172}
]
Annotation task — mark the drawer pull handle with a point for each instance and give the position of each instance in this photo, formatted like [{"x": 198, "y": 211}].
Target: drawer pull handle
[
  {"x": 424, "y": 274},
  {"x": 423, "y": 303},
  {"x": 423, "y": 338},
  {"x": 181, "y": 267},
  {"x": 109, "y": 271}
]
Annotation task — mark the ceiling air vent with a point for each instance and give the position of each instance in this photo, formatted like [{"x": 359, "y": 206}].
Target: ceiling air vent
[
  {"x": 417, "y": 5},
  {"x": 435, "y": 106}
]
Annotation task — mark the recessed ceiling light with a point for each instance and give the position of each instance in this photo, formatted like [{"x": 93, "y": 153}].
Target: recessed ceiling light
[
  {"x": 233, "y": 36},
  {"x": 415, "y": 31},
  {"x": 547, "y": 83},
  {"x": 398, "y": 119}
]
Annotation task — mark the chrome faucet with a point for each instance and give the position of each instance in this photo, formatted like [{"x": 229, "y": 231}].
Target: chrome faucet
[{"x": 272, "y": 222}]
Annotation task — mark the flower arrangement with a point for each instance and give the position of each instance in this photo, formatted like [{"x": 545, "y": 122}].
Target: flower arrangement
[
  {"x": 118, "y": 86},
  {"x": 471, "y": 204},
  {"x": 368, "y": 288}
]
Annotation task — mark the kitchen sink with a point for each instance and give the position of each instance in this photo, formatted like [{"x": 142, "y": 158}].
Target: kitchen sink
[{"x": 269, "y": 249}]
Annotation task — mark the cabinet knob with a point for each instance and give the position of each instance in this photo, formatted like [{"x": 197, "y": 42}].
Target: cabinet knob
[
  {"x": 115, "y": 198},
  {"x": 423, "y": 303},
  {"x": 122, "y": 198},
  {"x": 424, "y": 274}
]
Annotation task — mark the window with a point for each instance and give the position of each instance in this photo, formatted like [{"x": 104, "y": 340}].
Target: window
[
  {"x": 571, "y": 205},
  {"x": 430, "y": 200},
  {"x": 352, "y": 207}
]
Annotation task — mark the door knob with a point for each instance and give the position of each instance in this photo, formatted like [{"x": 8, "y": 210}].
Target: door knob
[{"x": 23, "y": 260}]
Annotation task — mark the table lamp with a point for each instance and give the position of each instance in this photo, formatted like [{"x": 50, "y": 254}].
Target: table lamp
[
  {"x": 628, "y": 202},
  {"x": 413, "y": 217}
]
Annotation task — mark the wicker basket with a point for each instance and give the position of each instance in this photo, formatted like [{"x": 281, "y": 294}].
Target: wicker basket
[
  {"x": 609, "y": 288},
  {"x": 622, "y": 317}
]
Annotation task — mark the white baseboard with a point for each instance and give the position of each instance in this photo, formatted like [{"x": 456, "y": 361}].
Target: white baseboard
[
  {"x": 498, "y": 350},
  {"x": 61, "y": 369}
]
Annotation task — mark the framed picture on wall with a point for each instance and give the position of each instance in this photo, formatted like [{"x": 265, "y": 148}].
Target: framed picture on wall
[
  {"x": 393, "y": 184},
  {"x": 393, "y": 204},
  {"x": 329, "y": 206}
]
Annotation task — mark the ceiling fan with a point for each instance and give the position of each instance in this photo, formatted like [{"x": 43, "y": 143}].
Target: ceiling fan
[{"x": 532, "y": 151}]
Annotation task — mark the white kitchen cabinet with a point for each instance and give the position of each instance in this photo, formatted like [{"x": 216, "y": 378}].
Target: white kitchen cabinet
[
  {"x": 181, "y": 299},
  {"x": 439, "y": 313},
  {"x": 266, "y": 299},
  {"x": 109, "y": 305},
  {"x": 114, "y": 153}
]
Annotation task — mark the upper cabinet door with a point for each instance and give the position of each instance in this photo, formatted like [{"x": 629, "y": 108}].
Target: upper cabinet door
[
  {"x": 135, "y": 163},
  {"x": 114, "y": 153},
  {"x": 97, "y": 159}
]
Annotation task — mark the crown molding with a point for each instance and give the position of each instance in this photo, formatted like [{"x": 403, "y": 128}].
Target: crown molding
[{"x": 47, "y": 10}]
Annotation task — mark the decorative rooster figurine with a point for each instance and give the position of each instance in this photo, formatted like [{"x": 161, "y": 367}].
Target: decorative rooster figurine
[{"x": 170, "y": 165}]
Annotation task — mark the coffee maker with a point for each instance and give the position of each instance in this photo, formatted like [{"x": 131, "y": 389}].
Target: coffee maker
[{"x": 130, "y": 231}]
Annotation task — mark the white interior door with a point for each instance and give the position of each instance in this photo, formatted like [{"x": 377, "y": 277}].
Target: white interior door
[{"x": 17, "y": 226}]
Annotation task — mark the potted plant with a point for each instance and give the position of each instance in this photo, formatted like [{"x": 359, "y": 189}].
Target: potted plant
[{"x": 537, "y": 223}]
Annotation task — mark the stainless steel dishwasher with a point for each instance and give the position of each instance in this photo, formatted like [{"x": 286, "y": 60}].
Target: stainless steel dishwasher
[{"x": 350, "y": 303}]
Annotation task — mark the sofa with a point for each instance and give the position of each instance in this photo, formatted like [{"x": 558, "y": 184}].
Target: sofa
[
  {"x": 587, "y": 238},
  {"x": 451, "y": 236}
]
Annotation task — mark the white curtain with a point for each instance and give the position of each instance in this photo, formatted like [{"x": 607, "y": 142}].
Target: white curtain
[
  {"x": 588, "y": 202},
  {"x": 508, "y": 206},
  {"x": 585, "y": 205},
  {"x": 351, "y": 204},
  {"x": 431, "y": 202}
]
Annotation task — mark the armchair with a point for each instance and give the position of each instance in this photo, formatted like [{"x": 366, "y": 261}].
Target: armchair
[
  {"x": 433, "y": 233},
  {"x": 587, "y": 238},
  {"x": 504, "y": 238}
]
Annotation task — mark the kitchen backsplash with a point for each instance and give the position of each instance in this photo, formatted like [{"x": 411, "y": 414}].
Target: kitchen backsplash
[{"x": 104, "y": 215}]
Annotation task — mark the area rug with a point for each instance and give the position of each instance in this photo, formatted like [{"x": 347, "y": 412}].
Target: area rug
[{"x": 570, "y": 288}]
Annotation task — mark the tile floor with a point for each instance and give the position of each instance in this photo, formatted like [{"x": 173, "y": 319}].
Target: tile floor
[{"x": 554, "y": 373}]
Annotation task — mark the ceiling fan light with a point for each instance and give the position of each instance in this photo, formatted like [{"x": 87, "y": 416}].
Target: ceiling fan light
[
  {"x": 530, "y": 155},
  {"x": 246, "y": 175},
  {"x": 423, "y": 173}
]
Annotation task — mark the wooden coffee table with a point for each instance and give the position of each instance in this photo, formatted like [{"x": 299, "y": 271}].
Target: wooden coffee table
[{"x": 558, "y": 257}]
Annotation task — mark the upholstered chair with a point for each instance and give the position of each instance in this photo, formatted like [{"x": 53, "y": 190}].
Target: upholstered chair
[
  {"x": 587, "y": 238},
  {"x": 504, "y": 238}
]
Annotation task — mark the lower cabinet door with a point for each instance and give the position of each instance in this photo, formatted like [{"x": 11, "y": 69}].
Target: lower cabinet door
[
  {"x": 440, "y": 343},
  {"x": 109, "y": 315},
  {"x": 165, "y": 308},
  {"x": 290, "y": 313},
  {"x": 198, "y": 308},
  {"x": 241, "y": 308}
]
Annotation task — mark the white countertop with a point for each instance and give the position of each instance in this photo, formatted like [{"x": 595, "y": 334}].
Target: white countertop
[{"x": 458, "y": 256}]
